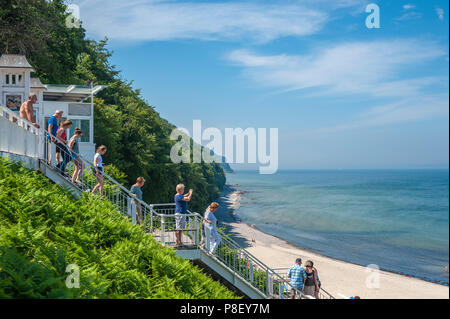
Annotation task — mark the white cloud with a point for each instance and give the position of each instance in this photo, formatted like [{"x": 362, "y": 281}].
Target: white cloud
[
  {"x": 407, "y": 110},
  {"x": 374, "y": 68},
  {"x": 378, "y": 69},
  {"x": 440, "y": 13},
  {"x": 410, "y": 16},
  {"x": 228, "y": 20},
  {"x": 408, "y": 6}
]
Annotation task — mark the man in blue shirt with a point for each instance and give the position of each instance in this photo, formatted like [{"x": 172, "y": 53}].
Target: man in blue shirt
[
  {"x": 52, "y": 129},
  {"x": 297, "y": 275},
  {"x": 181, "y": 200}
]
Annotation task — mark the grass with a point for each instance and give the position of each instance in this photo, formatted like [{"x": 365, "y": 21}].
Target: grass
[{"x": 43, "y": 229}]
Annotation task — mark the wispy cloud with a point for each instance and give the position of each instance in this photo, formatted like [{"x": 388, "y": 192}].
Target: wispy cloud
[
  {"x": 155, "y": 20},
  {"x": 409, "y": 13},
  {"x": 440, "y": 13},
  {"x": 376, "y": 68},
  {"x": 167, "y": 20},
  {"x": 409, "y": 16},
  {"x": 408, "y": 6},
  {"x": 407, "y": 110}
]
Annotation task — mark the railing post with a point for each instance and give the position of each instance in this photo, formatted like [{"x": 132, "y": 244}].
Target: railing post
[
  {"x": 269, "y": 287},
  {"x": 163, "y": 231},
  {"x": 41, "y": 146},
  {"x": 53, "y": 154},
  {"x": 25, "y": 151},
  {"x": 133, "y": 212},
  {"x": 144, "y": 216},
  {"x": 190, "y": 227},
  {"x": 197, "y": 231},
  {"x": 234, "y": 260},
  {"x": 251, "y": 271},
  {"x": 128, "y": 206},
  {"x": 117, "y": 198},
  {"x": 151, "y": 218},
  {"x": 208, "y": 238}
]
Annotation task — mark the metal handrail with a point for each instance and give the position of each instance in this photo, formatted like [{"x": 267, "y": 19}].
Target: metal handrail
[
  {"x": 321, "y": 291},
  {"x": 324, "y": 292},
  {"x": 255, "y": 260},
  {"x": 218, "y": 230},
  {"x": 25, "y": 124},
  {"x": 15, "y": 118},
  {"x": 229, "y": 243}
]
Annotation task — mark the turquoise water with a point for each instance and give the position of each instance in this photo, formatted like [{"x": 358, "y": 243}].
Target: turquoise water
[{"x": 397, "y": 219}]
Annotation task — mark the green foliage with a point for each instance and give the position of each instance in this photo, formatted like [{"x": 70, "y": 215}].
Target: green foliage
[
  {"x": 115, "y": 173},
  {"x": 37, "y": 29},
  {"x": 43, "y": 229},
  {"x": 137, "y": 137}
]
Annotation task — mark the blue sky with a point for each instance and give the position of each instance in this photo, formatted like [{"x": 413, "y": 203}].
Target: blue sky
[{"x": 341, "y": 95}]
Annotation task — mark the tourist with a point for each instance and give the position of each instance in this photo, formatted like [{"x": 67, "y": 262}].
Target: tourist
[
  {"x": 27, "y": 111},
  {"x": 317, "y": 274},
  {"x": 52, "y": 130},
  {"x": 98, "y": 169},
  {"x": 136, "y": 191},
  {"x": 311, "y": 283},
  {"x": 181, "y": 200},
  {"x": 210, "y": 223},
  {"x": 75, "y": 151},
  {"x": 61, "y": 142},
  {"x": 297, "y": 276}
]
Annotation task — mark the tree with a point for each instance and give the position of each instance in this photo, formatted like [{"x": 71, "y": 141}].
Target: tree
[{"x": 137, "y": 137}]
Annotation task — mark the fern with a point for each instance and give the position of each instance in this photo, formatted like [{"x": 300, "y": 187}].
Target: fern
[{"x": 43, "y": 228}]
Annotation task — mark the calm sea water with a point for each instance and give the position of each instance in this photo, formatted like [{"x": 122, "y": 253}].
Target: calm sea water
[{"x": 397, "y": 219}]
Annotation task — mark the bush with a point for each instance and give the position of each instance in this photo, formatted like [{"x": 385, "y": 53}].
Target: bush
[{"x": 43, "y": 229}]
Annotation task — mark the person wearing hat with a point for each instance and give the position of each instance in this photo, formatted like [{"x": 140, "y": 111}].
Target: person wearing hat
[
  {"x": 297, "y": 276},
  {"x": 311, "y": 282}
]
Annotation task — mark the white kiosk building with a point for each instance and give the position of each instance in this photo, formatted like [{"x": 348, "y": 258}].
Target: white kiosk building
[{"x": 76, "y": 101}]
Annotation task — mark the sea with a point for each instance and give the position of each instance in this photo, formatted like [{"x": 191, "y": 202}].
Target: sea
[{"x": 395, "y": 219}]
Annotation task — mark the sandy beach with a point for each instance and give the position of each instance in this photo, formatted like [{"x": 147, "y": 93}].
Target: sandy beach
[{"x": 338, "y": 277}]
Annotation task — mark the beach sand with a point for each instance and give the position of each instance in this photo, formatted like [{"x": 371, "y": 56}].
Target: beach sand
[{"x": 339, "y": 278}]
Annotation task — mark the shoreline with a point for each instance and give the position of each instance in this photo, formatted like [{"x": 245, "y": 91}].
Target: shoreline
[{"x": 338, "y": 277}]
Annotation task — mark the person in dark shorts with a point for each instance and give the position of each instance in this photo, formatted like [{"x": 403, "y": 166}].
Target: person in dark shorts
[
  {"x": 61, "y": 148},
  {"x": 311, "y": 287},
  {"x": 181, "y": 200},
  {"x": 75, "y": 151},
  {"x": 53, "y": 126},
  {"x": 98, "y": 169}
]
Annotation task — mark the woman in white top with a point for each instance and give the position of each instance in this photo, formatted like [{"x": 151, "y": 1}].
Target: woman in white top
[
  {"x": 98, "y": 169},
  {"x": 210, "y": 223}
]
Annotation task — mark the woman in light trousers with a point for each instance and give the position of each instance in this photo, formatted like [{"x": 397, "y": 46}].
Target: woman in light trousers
[{"x": 210, "y": 224}]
